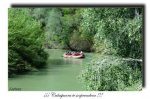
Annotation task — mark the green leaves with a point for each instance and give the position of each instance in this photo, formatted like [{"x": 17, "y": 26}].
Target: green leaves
[
  {"x": 122, "y": 30},
  {"x": 105, "y": 30},
  {"x": 24, "y": 42},
  {"x": 109, "y": 73}
]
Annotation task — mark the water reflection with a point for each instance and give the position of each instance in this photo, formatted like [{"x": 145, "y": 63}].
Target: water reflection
[
  {"x": 72, "y": 61},
  {"x": 56, "y": 62}
]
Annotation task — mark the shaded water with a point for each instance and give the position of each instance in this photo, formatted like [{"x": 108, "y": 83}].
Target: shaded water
[{"x": 60, "y": 74}]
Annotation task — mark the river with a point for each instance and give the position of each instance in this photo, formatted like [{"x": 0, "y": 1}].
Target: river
[{"x": 60, "y": 74}]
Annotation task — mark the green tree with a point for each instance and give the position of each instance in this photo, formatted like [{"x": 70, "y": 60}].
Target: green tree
[
  {"x": 25, "y": 40},
  {"x": 114, "y": 32}
]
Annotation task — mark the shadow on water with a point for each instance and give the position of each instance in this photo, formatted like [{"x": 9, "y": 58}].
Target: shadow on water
[
  {"x": 54, "y": 64},
  {"x": 58, "y": 62},
  {"x": 63, "y": 62}
]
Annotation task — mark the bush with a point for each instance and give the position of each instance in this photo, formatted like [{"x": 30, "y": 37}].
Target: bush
[{"x": 110, "y": 74}]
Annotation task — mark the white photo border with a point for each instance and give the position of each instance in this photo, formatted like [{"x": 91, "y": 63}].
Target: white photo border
[{"x": 4, "y": 93}]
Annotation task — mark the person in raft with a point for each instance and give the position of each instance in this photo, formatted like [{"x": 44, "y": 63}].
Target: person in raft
[
  {"x": 74, "y": 53},
  {"x": 77, "y": 53}
]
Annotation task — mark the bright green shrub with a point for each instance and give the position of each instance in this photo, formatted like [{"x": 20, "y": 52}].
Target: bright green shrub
[{"x": 110, "y": 73}]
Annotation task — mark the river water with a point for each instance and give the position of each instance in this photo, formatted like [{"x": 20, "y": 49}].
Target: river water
[{"x": 60, "y": 74}]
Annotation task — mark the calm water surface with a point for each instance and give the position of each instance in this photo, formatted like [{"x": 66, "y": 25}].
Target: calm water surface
[{"x": 60, "y": 74}]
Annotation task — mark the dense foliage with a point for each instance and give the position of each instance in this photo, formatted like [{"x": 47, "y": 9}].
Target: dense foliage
[
  {"x": 112, "y": 74},
  {"x": 104, "y": 30},
  {"x": 120, "y": 34},
  {"x": 25, "y": 42}
]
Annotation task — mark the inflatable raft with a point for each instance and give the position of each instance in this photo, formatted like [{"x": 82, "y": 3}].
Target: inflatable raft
[{"x": 74, "y": 55}]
